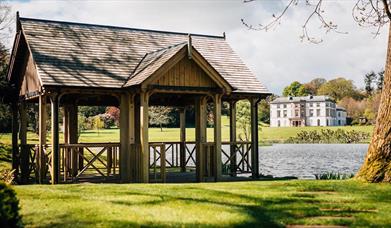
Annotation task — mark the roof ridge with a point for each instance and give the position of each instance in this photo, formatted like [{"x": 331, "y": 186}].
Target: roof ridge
[{"x": 120, "y": 27}]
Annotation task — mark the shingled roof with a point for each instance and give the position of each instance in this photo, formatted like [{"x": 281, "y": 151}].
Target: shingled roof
[{"x": 85, "y": 55}]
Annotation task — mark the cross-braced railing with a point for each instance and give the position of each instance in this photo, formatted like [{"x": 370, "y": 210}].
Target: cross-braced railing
[
  {"x": 236, "y": 160},
  {"x": 89, "y": 159}
]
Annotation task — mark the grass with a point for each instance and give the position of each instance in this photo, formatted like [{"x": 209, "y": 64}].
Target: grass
[
  {"x": 267, "y": 135},
  {"x": 247, "y": 204}
]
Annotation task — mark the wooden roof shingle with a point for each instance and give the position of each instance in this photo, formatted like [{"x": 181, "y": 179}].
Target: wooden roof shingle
[{"x": 85, "y": 55}]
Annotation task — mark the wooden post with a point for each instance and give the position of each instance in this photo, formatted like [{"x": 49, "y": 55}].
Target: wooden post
[
  {"x": 124, "y": 156},
  {"x": 136, "y": 156},
  {"x": 217, "y": 166},
  {"x": 254, "y": 137},
  {"x": 200, "y": 116},
  {"x": 65, "y": 122},
  {"x": 15, "y": 147},
  {"x": 42, "y": 139},
  {"x": 132, "y": 138},
  {"x": 66, "y": 151},
  {"x": 24, "y": 153},
  {"x": 163, "y": 163},
  {"x": 144, "y": 142},
  {"x": 182, "y": 154},
  {"x": 55, "y": 140},
  {"x": 72, "y": 139},
  {"x": 109, "y": 160},
  {"x": 232, "y": 137}
]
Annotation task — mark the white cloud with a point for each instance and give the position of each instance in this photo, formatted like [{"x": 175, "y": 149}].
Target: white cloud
[{"x": 276, "y": 57}]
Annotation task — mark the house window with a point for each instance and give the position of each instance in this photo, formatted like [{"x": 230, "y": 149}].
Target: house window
[
  {"x": 327, "y": 104},
  {"x": 278, "y": 113},
  {"x": 317, "y": 112},
  {"x": 284, "y": 105},
  {"x": 279, "y": 123},
  {"x": 327, "y": 112},
  {"x": 296, "y": 113},
  {"x": 296, "y": 105},
  {"x": 311, "y": 112},
  {"x": 318, "y": 122},
  {"x": 339, "y": 114},
  {"x": 311, "y": 105},
  {"x": 339, "y": 122},
  {"x": 327, "y": 122},
  {"x": 285, "y": 113},
  {"x": 318, "y": 104},
  {"x": 278, "y": 105}
]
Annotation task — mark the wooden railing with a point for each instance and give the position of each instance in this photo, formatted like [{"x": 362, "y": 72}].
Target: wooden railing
[
  {"x": 238, "y": 159},
  {"x": 172, "y": 152},
  {"x": 89, "y": 159},
  {"x": 102, "y": 159}
]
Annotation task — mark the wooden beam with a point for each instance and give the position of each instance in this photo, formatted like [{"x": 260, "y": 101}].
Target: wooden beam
[
  {"x": 24, "y": 153},
  {"x": 42, "y": 138},
  {"x": 144, "y": 142},
  {"x": 182, "y": 153},
  {"x": 55, "y": 140},
  {"x": 15, "y": 147},
  {"x": 200, "y": 116},
  {"x": 217, "y": 166},
  {"x": 124, "y": 138},
  {"x": 232, "y": 136},
  {"x": 254, "y": 138}
]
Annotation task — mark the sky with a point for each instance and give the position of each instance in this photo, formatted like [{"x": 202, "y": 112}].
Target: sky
[{"x": 277, "y": 57}]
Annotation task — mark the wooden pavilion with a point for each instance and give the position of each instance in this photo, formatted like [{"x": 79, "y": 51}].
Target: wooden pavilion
[{"x": 65, "y": 65}]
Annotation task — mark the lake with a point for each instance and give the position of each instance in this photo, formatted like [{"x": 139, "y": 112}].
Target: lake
[{"x": 305, "y": 160}]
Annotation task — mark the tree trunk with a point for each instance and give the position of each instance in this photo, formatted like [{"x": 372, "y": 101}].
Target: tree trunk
[{"x": 377, "y": 165}]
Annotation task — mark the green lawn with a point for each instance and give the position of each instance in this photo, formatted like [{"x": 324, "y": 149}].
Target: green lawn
[
  {"x": 266, "y": 134},
  {"x": 247, "y": 204}
]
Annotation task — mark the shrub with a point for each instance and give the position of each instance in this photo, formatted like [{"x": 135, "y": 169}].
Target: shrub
[
  {"x": 333, "y": 176},
  {"x": 329, "y": 136},
  {"x": 9, "y": 207}
]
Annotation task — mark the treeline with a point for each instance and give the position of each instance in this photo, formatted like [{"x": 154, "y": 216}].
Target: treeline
[{"x": 361, "y": 104}]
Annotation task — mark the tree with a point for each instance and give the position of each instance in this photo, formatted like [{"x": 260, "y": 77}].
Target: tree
[
  {"x": 264, "y": 110},
  {"x": 243, "y": 119},
  {"x": 159, "y": 116},
  {"x": 339, "y": 88},
  {"x": 376, "y": 13},
  {"x": 114, "y": 112},
  {"x": 89, "y": 111},
  {"x": 313, "y": 86},
  {"x": 369, "y": 79},
  {"x": 295, "y": 89},
  {"x": 97, "y": 123}
]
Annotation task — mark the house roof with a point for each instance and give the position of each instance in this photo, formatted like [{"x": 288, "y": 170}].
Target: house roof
[
  {"x": 86, "y": 55},
  {"x": 299, "y": 99}
]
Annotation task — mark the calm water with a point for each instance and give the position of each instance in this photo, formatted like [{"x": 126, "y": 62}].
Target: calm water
[{"x": 305, "y": 160}]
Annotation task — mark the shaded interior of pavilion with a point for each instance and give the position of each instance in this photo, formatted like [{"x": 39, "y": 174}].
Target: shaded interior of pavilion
[{"x": 204, "y": 158}]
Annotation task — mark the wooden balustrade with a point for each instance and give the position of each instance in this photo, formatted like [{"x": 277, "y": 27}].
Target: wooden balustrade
[
  {"x": 102, "y": 159},
  {"x": 89, "y": 159}
]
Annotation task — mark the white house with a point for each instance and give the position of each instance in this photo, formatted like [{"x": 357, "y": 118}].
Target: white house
[{"x": 306, "y": 111}]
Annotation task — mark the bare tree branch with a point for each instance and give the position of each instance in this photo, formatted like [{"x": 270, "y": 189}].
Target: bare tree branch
[{"x": 367, "y": 13}]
